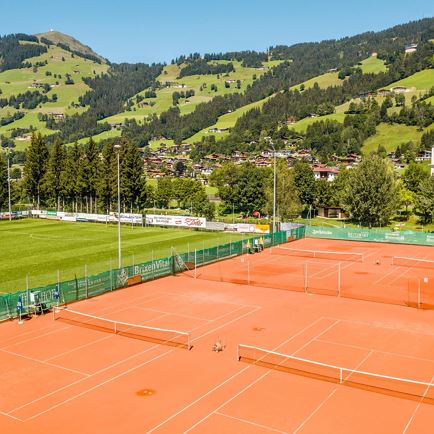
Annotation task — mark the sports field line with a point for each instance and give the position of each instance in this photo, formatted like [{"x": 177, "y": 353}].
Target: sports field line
[
  {"x": 109, "y": 336},
  {"x": 351, "y": 263},
  {"x": 200, "y": 398},
  {"x": 42, "y": 362},
  {"x": 12, "y": 417},
  {"x": 416, "y": 409},
  {"x": 206, "y": 298},
  {"x": 116, "y": 364},
  {"x": 382, "y": 325},
  {"x": 405, "y": 271},
  {"x": 315, "y": 337},
  {"x": 173, "y": 313},
  {"x": 405, "y": 356},
  {"x": 328, "y": 397},
  {"x": 250, "y": 422},
  {"x": 98, "y": 385},
  {"x": 56, "y": 329}
]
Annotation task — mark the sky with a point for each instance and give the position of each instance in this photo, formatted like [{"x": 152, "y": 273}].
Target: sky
[{"x": 158, "y": 31}]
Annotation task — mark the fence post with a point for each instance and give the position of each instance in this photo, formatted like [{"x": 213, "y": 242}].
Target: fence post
[
  {"x": 195, "y": 265},
  {"x": 85, "y": 279},
  {"x": 58, "y": 286},
  {"x": 27, "y": 288},
  {"x": 111, "y": 275}
]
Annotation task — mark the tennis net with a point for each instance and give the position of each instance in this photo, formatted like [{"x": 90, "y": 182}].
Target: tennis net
[
  {"x": 412, "y": 262},
  {"x": 318, "y": 254},
  {"x": 401, "y": 387},
  {"x": 152, "y": 334}
]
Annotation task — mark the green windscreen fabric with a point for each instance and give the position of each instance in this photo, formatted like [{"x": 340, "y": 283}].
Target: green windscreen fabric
[{"x": 372, "y": 235}]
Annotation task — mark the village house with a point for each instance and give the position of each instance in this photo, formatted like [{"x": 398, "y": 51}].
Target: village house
[
  {"x": 399, "y": 89},
  {"x": 57, "y": 116},
  {"x": 218, "y": 130},
  {"x": 410, "y": 48},
  {"x": 323, "y": 172}
]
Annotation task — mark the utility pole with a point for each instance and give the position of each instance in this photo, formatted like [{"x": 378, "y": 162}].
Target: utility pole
[{"x": 119, "y": 211}]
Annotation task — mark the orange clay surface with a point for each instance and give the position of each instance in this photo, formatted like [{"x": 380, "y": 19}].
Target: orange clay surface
[{"x": 61, "y": 378}]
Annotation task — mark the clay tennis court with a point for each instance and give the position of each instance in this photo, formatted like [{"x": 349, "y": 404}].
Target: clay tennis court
[{"x": 287, "y": 308}]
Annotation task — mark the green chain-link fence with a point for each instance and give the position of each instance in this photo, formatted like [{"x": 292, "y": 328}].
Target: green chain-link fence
[
  {"x": 373, "y": 235},
  {"x": 85, "y": 287}
]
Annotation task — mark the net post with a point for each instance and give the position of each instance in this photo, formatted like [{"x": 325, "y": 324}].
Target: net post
[
  {"x": 340, "y": 376},
  {"x": 189, "y": 341},
  {"x": 115, "y": 327},
  {"x": 238, "y": 352},
  {"x": 305, "y": 277}
]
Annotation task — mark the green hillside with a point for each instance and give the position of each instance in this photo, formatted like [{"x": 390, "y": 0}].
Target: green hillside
[
  {"x": 58, "y": 37},
  {"x": 200, "y": 84},
  {"x": 59, "y": 63},
  {"x": 390, "y": 136},
  {"x": 422, "y": 80}
]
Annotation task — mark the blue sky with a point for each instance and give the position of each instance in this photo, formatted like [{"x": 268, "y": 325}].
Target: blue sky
[{"x": 157, "y": 31}]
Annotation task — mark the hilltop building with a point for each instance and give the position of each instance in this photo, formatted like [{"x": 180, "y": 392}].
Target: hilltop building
[{"x": 432, "y": 161}]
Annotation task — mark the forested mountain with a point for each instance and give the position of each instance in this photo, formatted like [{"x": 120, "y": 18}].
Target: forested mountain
[{"x": 212, "y": 85}]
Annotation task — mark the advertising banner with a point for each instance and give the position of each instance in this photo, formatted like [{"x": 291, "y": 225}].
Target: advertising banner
[{"x": 176, "y": 220}]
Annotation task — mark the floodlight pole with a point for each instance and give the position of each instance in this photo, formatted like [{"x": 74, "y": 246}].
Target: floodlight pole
[
  {"x": 119, "y": 211},
  {"x": 274, "y": 187},
  {"x": 9, "y": 187}
]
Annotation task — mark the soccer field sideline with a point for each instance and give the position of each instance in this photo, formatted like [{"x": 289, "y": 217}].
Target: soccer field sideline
[{"x": 41, "y": 248}]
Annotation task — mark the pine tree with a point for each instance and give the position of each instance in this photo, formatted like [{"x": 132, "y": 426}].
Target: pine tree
[
  {"x": 69, "y": 176},
  {"x": 35, "y": 168},
  {"x": 88, "y": 174},
  {"x": 52, "y": 182},
  {"x": 106, "y": 187},
  {"x": 3, "y": 182},
  {"x": 132, "y": 175}
]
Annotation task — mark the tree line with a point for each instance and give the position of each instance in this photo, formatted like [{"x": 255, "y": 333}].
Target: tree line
[
  {"x": 84, "y": 178},
  {"x": 371, "y": 194}
]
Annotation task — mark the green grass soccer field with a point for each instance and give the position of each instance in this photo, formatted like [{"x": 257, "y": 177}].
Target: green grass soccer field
[{"x": 40, "y": 248}]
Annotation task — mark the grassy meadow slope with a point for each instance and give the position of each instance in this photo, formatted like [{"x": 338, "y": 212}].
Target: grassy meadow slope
[
  {"x": 201, "y": 84},
  {"x": 60, "y": 63}
]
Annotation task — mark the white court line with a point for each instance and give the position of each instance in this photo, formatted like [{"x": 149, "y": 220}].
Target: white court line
[
  {"x": 250, "y": 422},
  {"x": 108, "y": 380},
  {"x": 9, "y": 415},
  {"x": 223, "y": 383},
  {"x": 416, "y": 409},
  {"x": 98, "y": 385},
  {"x": 52, "y": 365},
  {"x": 329, "y": 396},
  {"x": 173, "y": 313},
  {"x": 380, "y": 325},
  {"x": 316, "y": 337},
  {"x": 377, "y": 351},
  {"x": 56, "y": 329},
  {"x": 110, "y": 336},
  {"x": 116, "y": 364},
  {"x": 226, "y": 402}
]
